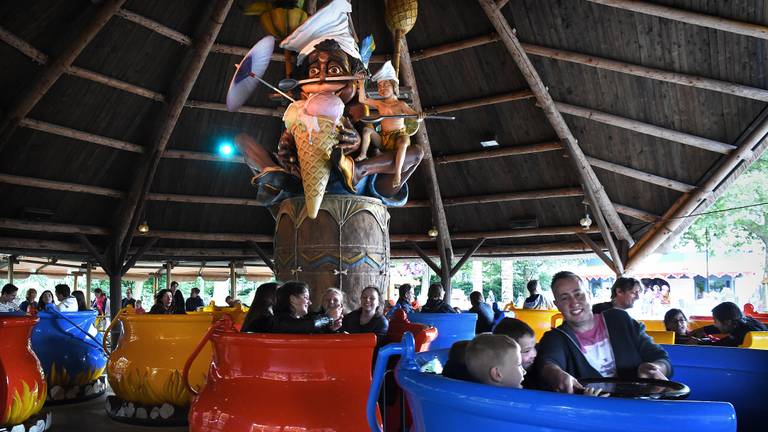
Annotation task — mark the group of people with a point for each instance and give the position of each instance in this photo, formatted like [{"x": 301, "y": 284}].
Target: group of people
[{"x": 62, "y": 299}]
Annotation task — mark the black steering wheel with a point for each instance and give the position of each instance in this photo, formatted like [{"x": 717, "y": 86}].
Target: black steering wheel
[{"x": 638, "y": 388}]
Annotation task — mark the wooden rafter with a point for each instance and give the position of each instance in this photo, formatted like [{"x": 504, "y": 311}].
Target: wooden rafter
[
  {"x": 634, "y": 213},
  {"x": 640, "y": 175},
  {"x": 453, "y": 47},
  {"x": 542, "y": 248},
  {"x": 610, "y": 244},
  {"x": 752, "y": 144},
  {"x": 503, "y": 197},
  {"x": 428, "y": 165},
  {"x": 597, "y": 250},
  {"x": 138, "y": 254},
  {"x": 427, "y": 260},
  {"x": 583, "y": 169},
  {"x": 646, "y": 128},
  {"x": 500, "y": 152},
  {"x": 89, "y": 247},
  {"x": 129, "y": 212},
  {"x": 481, "y": 102},
  {"x": 16, "y": 112},
  {"x": 467, "y": 255},
  {"x": 694, "y": 18}
]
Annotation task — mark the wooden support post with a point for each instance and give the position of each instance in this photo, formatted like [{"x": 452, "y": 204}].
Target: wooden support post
[
  {"x": 88, "y": 282},
  {"x": 467, "y": 255},
  {"x": 618, "y": 265},
  {"x": 115, "y": 299},
  {"x": 168, "y": 266},
  {"x": 420, "y": 252},
  {"x": 11, "y": 262},
  {"x": 127, "y": 217},
  {"x": 75, "y": 276},
  {"x": 584, "y": 170},
  {"x": 155, "y": 284},
  {"x": 264, "y": 257},
  {"x": 232, "y": 280},
  {"x": 598, "y": 251},
  {"x": 55, "y": 69},
  {"x": 428, "y": 164}
]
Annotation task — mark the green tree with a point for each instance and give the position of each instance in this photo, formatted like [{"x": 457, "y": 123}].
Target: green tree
[{"x": 729, "y": 223}]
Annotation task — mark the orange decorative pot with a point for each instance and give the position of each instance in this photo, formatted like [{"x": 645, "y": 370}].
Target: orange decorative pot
[
  {"x": 284, "y": 382},
  {"x": 22, "y": 385}
]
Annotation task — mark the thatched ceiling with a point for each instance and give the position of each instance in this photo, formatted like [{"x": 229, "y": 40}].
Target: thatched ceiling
[{"x": 129, "y": 52}]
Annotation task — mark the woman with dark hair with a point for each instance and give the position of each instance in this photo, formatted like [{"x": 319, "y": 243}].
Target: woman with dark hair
[
  {"x": 368, "y": 318},
  {"x": 293, "y": 311},
  {"x": 730, "y": 321},
  {"x": 676, "y": 321},
  {"x": 46, "y": 298},
  {"x": 179, "y": 305},
  {"x": 80, "y": 297},
  {"x": 261, "y": 315},
  {"x": 435, "y": 302},
  {"x": 163, "y": 303}
]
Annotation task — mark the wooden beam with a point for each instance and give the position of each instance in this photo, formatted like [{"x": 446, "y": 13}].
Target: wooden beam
[
  {"x": 95, "y": 254},
  {"x": 218, "y": 237},
  {"x": 263, "y": 255},
  {"x": 693, "y": 18},
  {"x": 501, "y": 234},
  {"x": 80, "y": 135},
  {"x": 216, "y": 106},
  {"x": 646, "y": 128},
  {"x": 532, "y": 249},
  {"x": 453, "y": 47},
  {"x": 138, "y": 254},
  {"x": 501, "y": 3},
  {"x": 500, "y": 152},
  {"x": 641, "y": 175},
  {"x": 648, "y": 72},
  {"x": 597, "y": 250},
  {"x": 618, "y": 264},
  {"x": 129, "y": 212},
  {"x": 416, "y": 248},
  {"x": 199, "y": 199},
  {"x": 467, "y": 255},
  {"x": 583, "y": 169},
  {"x": 193, "y": 155},
  {"x": 433, "y": 187},
  {"x": 51, "y": 227},
  {"x": 503, "y": 197},
  {"x": 481, "y": 102},
  {"x": 53, "y": 70},
  {"x": 633, "y": 212},
  {"x": 752, "y": 144}
]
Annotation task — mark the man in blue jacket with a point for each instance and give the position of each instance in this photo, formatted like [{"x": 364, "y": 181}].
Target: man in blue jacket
[{"x": 588, "y": 345}]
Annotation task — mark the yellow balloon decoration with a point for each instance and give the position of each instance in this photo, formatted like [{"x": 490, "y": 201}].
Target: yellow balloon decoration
[{"x": 400, "y": 16}]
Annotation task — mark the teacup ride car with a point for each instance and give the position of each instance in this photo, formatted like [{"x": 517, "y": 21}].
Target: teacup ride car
[
  {"x": 450, "y": 327},
  {"x": 22, "y": 387},
  {"x": 749, "y": 310},
  {"x": 145, "y": 369},
  {"x": 448, "y": 405},
  {"x": 756, "y": 340},
  {"x": 70, "y": 350},
  {"x": 282, "y": 382},
  {"x": 541, "y": 321},
  {"x": 237, "y": 312},
  {"x": 395, "y": 410}
]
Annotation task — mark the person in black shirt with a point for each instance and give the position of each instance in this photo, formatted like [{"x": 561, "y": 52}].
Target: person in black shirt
[
  {"x": 163, "y": 303},
  {"x": 435, "y": 302},
  {"x": 128, "y": 300},
  {"x": 730, "y": 321},
  {"x": 293, "y": 311},
  {"x": 367, "y": 318},
  {"x": 194, "y": 301},
  {"x": 261, "y": 316},
  {"x": 484, "y": 312}
]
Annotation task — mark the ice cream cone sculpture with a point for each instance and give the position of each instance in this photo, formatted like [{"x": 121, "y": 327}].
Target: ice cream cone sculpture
[{"x": 313, "y": 123}]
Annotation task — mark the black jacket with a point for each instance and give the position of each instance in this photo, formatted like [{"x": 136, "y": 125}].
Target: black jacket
[
  {"x": 285, "y": 323},
  {"x": 351, "y": 324},
  {"x": 484, "y": 317},
  {"x": 437, "y": 306},
  {"x": 631, "y": 346},
  {"x": 601, "y": 307}
]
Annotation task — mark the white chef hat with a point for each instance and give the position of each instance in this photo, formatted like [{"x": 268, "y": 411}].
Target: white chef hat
[
  {"x": 387, "y": 72},
  {"x": 330, "y": 22}
]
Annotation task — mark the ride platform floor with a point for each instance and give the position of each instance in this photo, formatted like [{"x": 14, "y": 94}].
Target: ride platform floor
[{"x": 91, "y": 416}]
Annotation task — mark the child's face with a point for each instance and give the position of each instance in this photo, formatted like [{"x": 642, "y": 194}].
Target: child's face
[
  {"x": 512, "y": 371},
  {"x": 527, "y": 350},
  {"x": 385, "y": 88}
]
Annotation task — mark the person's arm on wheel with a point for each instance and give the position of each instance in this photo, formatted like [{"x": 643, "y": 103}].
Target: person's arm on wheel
[{"x": 559, "y": 380}]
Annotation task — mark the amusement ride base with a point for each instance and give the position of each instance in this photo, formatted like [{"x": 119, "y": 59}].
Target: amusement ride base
[
  {"x": 62, "y": 395},
  {"x": 146, "y": 415},
  {"x": 39, "y": 422}
]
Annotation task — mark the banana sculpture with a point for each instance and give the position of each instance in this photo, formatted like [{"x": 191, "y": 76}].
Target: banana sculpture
[{"x": 278, "y": 19}]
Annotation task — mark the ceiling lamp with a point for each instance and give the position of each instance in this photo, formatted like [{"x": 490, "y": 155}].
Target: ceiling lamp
[
  {"x": 432, "y": 232},
  {"x": 586, "y": 221},
  {"x": 143, "y": 227}
]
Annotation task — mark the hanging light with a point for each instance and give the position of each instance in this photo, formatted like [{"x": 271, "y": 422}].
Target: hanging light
[
  {"x": 432, "y": 232},
  {"x": 586, "y": 221},
  {"x": 143, "y": 227}
]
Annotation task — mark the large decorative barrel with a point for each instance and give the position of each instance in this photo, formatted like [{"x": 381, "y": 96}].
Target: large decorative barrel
[
  {"x": 72, "y": 360},
  {"x": 285, "y": 382},
  {"x": 346, "y": 246},
  {"x": 145, "y": 371},
  {"x": 22, "y": 386}
]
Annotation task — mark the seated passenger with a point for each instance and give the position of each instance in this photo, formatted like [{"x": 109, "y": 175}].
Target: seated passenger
[
  {"x": 67, "y": 303},
  {"x": 293, "y": 311},
  {"x": 368, "y": 318},
  {"x": 675, "y": 321},
  {"x": 456, "y": 366},
  {"x": 163, "y": 303},
  {"x": 80, "y": 298},
  {"x": 29, "y": 301},
  {"x": 484, "y": 312},
  {"x": 194, "y": 302},
  {"x": 624, "y": 293},
  {"x": 139, "y": 309},
  {"x": 536, "y": 300},
  {"x": 261, "y": 315},
  {"x": 404, "y": 299},
  {"x": 229, "y": 301},
  {"x": 179, "y": 305},
  {"x": 46, "y": 298},
  {"x": 525, "y": 337},
  {"x": 8, "y": 299},
  {"x": 495, "y": 360},
  {"x": 128, "y": 300},
  {"x": 730, "y": 321},
  {"x": 589, "y": 345},
  {"x": 435, "y": 302},
  {"x": 333, "y": 307}
]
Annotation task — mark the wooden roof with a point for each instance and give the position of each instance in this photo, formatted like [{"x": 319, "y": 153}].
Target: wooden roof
[{"x": 658, "y": 94}]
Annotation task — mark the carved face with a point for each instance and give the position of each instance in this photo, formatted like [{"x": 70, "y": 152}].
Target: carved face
[
  {"x": 325, "y": 64},
  {"x": 386, "y": 88}
]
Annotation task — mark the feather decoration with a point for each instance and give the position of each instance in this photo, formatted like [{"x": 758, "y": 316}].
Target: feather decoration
[{"x": 366, "y": 49}]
